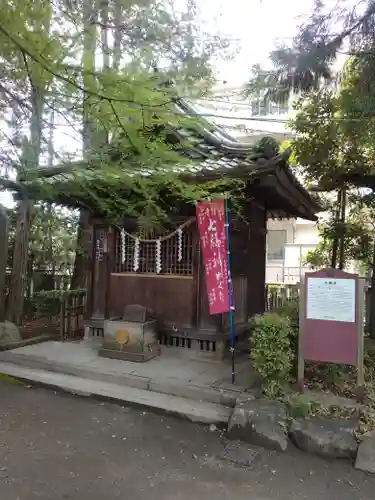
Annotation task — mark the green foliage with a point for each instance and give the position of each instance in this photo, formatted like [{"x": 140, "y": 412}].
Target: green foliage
[
  {"x": 52, "y": 240},
  {"x": 334, "y": 126},
  {"x": 333, "y": 141},
  {"x": 300, "y": 406},
  {"x": 267, "y": 146},
  {"x": 47, "y": 303},
  {"x": 320, "y": 256},
  {"x": 271, "y": 352},
  {"x": 123, "y": 107},
  {"x": 305, "y": 65},
  {"x": 290, "y": 310},
  {"x": 7, "y": 379},
  {"x": 358, "y": 234}
]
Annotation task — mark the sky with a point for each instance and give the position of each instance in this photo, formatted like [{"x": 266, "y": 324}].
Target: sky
[{"x": 255, "y": 26}]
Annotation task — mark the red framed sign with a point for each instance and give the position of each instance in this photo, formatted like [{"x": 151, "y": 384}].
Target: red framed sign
[{"x": 331, "y": 320}]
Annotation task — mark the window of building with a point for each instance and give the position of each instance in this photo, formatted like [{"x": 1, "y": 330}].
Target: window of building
[{"x": 276, "y": 241}]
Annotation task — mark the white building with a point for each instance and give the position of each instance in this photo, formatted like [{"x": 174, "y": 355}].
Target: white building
[
  {"x": 288, "y": 242},
  {"x": 247, "y": 121}
]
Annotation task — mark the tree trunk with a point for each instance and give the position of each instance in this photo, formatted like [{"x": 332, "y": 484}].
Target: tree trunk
[
  {"x": 342, "y": 229},
  {"x": 89, "y": 47},
  {"x": 117, "y": 36},
  {"x": 18, "y": 280},
  {"x": 335, "y": 242},
  {"x": 31, "y": 156},
  {"x": 51, "y": 153},
  {"x": 104, "y": 14}
]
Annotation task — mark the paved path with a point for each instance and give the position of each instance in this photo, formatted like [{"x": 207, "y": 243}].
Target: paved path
[
  {"x": 187, "y": 368},
  {"x": 56, "y": 446}
]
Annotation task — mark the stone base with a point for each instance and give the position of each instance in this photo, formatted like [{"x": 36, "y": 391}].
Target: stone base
[
  {"x": 325, "y": 437},
  {"x": 138, "y": 357},
  {"x": 9, "y": 333},
  {"x": 260, "y": 422},
  {"x": 366, "y": 453}
]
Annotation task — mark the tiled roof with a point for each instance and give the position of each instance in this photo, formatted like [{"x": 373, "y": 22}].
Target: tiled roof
[{"x": 212, "y": 153}]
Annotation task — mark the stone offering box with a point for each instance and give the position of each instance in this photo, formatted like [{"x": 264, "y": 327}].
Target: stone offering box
[{"x": 132, "y": 337}]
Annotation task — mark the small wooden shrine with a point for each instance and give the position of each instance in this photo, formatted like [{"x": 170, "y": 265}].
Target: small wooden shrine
[{"x": 162, "y": 270}]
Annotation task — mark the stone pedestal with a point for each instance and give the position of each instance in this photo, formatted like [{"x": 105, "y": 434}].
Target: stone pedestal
[{"x": 131, "y": 338}]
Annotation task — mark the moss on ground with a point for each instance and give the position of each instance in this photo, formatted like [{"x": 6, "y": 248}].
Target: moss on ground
[{"x": 4, "y": 378}]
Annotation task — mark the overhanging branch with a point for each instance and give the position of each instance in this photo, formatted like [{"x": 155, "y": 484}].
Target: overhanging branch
[
  {"x": 12, "y": 185},
  {"x": 46, "y": 173}
]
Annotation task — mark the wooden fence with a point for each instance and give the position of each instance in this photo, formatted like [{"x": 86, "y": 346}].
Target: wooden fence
[{"x": 72, "y": 311}]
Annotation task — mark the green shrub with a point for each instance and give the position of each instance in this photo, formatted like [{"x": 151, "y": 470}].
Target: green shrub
[
  {"x": 271, "y": 352},
  {"x": 47, "y": 303},
  {"x": 291, "y": 310},
  {"x": 301, "y": 406}
]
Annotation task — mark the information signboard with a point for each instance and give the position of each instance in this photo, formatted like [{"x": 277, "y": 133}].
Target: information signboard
[{"x": 331, "y": 320}]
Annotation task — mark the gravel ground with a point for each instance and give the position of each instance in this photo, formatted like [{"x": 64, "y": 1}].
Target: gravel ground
[{"x": 56, "y": 446}]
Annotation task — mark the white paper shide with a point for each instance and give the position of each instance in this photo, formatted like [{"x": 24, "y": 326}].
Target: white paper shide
[{"x": 331, "y": 299}]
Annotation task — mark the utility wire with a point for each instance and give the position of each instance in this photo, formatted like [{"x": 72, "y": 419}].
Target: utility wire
[{"x": 283, "y": 121}]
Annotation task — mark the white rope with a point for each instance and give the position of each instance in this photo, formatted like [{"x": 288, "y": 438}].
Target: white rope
[
  {"x": 163, "y": 238},
  {"x": 179, "y": 250},
  {"x": 123, "y": 242},
  {"x": 158, "y": 256},
  {"x": 136, "y": 255}
]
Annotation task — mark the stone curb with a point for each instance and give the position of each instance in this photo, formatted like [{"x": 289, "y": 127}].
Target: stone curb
[
  {"x": 195, "y": 411},
  {"x": 264, "y": 422},
  {"x": 26, "y": 342},
  {"x": 226, "y": 397}
]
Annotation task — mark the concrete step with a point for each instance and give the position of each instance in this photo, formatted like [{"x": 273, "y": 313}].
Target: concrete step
[
  {"x": 225, "y": 396},
  {"x": 196, "y": 411}
]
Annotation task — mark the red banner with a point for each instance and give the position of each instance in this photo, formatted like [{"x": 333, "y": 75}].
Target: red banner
[{"x": 211, "y": 226}]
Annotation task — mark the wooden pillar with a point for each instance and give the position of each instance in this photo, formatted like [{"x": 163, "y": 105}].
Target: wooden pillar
[
  {"x": 110, "y": 258},
  {"x": 256, "y": 259},
  {"x": 89, "y": 262},
  {"x": 3, "y": 259}
]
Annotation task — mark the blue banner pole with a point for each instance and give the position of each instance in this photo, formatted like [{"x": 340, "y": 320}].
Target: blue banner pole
[{"x": 230, "y": 294}]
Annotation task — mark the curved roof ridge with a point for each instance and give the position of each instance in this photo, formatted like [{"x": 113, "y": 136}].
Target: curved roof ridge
[{"x": 218, "y": 138}]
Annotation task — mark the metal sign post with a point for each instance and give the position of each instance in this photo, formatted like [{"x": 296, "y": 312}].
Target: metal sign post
[{"x": 230, "y": 294}]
